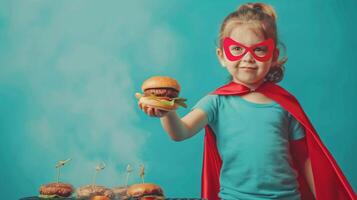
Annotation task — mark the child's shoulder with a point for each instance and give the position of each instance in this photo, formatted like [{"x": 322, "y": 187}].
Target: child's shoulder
[{"x": 210, "y": 97}]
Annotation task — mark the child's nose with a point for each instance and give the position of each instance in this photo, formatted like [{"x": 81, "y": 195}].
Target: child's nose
[{"x": 248, "y": 57}]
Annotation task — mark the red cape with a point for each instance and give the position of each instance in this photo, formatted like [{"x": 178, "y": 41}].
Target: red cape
[{"x": 330, "y": 183}]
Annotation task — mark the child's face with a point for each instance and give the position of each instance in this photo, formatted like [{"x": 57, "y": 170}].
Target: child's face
[{"x": 246, "y": 70}]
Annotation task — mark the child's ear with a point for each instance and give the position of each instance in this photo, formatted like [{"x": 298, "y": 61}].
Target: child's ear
[
  {"x": 276, "y": 55},
  {"x": 220, "y": 56}
]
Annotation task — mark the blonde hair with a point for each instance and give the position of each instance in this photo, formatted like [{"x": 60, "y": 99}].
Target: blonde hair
[{"x": 263, "y": 17}]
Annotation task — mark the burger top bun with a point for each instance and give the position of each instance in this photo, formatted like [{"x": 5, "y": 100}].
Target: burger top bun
[
  {"x": 160, "y": 82},
  {"x": 100, "y": 198},
  {"x": 89, "y": 191},
  {"x": 60, "y": 189},
  {"x": 138, "y": 190}
]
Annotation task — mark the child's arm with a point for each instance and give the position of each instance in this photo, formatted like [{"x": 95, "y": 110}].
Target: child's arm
[
  {"x": 300, "y": 153},
  {"x": 181, "y": 129},
  {"x": 178, "y": 129},
  {"x": 303, "y": 162},
  {"x": 309, "y": 176}
]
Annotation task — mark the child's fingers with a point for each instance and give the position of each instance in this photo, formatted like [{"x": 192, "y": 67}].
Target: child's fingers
[
  {"x": 160, "y": 113},
  {"x": 150, "y": 111},
  {"x": 157, "y": 113},
  {"x": 146, "y": 109},
  {"x": 143, "y": 107}
]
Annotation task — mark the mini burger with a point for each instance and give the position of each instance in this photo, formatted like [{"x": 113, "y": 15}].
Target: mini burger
[
  {"x": 161, "y": 92},
  {"x": 56, "y": 190},
  {"x": 145, "y": 191},
  {"x": 94, "y": 192}
]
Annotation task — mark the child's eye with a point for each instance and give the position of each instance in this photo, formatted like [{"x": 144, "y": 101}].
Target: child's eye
[
  {"x": 236, "y": 49},
  {"x": 260, "y": 49}
]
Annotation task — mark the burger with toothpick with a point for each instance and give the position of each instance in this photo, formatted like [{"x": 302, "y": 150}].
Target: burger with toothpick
[
  {"x": 57, "y": 189},
  {"x": 145, "y": 191}
]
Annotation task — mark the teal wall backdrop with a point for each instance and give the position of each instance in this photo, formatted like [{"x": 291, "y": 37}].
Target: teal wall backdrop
[{"x": 69, "y": 71}]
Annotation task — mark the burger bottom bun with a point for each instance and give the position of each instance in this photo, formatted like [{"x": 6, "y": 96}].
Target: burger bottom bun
[{"x": 145, "y": 101}]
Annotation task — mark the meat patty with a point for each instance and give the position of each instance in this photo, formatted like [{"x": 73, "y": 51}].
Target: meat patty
[
  {"x": 162, "y": 92},
  {"x": 60, "y": 189}
]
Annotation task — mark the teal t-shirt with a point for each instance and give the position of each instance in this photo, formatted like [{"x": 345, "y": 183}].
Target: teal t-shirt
[{"x": 253, "y": 142}]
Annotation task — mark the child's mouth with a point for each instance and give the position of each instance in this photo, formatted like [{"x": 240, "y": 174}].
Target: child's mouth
[{"x": 248, "y": 68}]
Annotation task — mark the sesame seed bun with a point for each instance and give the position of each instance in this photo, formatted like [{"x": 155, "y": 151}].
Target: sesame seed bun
[
  {"x": 160, "y": 82},
  {"x": 90, "y": 191},
  {"x": 60, "y": 189},
  {"x": 144, "y": 189},
  {"x": 100, "y": 198}
]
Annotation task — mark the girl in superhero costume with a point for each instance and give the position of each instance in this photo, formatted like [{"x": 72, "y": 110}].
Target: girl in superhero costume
[{"x": 259, "y": 143}]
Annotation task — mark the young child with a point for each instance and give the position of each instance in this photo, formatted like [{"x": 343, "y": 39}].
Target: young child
[{"x": 259, "y": 144}]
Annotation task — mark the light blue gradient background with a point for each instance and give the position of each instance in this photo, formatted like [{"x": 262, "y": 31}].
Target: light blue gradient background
[{"x": 69, "y": 71}]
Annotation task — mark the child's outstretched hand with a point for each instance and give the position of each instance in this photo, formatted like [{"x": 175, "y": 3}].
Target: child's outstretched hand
[{"x": 151, "y": 111}]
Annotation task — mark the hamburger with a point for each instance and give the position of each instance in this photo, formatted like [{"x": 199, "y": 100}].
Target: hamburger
[
  {"x": 56, "y": 190},
  {"x": 161, "y": 92},
  {"x": 145, "y": 191},
  {"x": 94, "y": 192}
]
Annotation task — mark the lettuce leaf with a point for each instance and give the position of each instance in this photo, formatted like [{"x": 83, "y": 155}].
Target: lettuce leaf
[
  {"x": 182, "y": 104},
  {"x": 178, "y": 100}
]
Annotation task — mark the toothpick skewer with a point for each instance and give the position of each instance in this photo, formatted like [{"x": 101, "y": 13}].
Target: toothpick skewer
[
  {"x": 98, "y": 168},
  {"x": 142, "y": 173},
  {"x": 59, "y": 165},
  {"x": 129, "y": 169}
]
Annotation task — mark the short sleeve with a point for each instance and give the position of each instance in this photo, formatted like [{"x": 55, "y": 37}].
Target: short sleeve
[
  {"x": 296, "y": 130},
  {"x": 209, "y": 105}
]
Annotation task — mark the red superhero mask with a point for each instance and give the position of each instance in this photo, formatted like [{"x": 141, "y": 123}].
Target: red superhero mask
[{"x": 262, "y": 51}]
